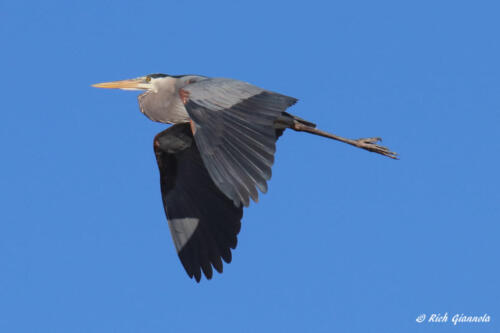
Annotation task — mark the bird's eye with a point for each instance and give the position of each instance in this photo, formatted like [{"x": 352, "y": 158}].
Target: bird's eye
[{"x": 148, "y": 79}]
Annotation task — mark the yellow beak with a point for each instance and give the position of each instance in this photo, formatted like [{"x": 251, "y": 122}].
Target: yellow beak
[{"x": 132, "y": 84}]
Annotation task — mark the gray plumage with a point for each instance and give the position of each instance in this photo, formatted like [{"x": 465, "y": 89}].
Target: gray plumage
[
  {"x": 217, "y": 156},
  {"x": 234, "y": 128}
]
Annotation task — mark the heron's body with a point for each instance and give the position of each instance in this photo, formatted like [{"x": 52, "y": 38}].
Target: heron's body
[{"x": 216, "y": 157}]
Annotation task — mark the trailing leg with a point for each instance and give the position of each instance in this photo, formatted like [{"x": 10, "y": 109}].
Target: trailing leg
[{"x": 369, "y": 144}]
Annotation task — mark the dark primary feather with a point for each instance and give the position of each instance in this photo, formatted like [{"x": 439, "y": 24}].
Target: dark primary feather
[
  {"x": 204, "y": 223},
  {"x": 235, "y": 133}
]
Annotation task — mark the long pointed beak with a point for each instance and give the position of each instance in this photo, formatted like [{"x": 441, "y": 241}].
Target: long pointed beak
[{"x": 132, "y": 84}]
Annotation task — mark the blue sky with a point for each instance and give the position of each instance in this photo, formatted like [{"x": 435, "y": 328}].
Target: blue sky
[{"x": 344, "y": 241}]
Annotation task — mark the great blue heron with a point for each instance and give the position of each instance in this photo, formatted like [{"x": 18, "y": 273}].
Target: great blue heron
[{"x": 216, "y": 156}]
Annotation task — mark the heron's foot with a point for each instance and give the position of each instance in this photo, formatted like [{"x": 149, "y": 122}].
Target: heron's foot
[{"x": 370, "y": 144}]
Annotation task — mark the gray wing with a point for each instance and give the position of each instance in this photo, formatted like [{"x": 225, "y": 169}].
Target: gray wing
[
  {"x": 235, "y": 133},
  {"x": 203, "y": 222}
]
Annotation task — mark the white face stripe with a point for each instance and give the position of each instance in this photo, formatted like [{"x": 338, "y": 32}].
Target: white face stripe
[{"x": 164, "y": 84}]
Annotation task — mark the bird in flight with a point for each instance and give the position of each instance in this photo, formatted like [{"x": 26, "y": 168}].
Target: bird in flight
[{"x": 216, "y": 157}]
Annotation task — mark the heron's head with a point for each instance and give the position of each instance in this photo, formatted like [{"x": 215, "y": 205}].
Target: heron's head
[
  {"x": 147, "y": 82},
  {"x": 160, "y": 100}
]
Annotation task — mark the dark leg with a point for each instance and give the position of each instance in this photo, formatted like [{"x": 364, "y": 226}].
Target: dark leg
[{"x": 369, "y": 144}]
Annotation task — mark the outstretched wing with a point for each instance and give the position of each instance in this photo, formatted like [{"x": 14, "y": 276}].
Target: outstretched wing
[
  {"x": 235, "y": 133},
  {"x": 204, "y": 223}
]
